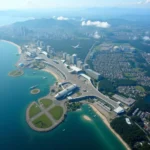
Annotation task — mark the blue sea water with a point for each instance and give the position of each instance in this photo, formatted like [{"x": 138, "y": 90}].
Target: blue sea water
[{"x": 15, "y": 134}]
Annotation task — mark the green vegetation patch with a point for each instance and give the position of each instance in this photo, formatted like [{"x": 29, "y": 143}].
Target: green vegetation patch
[
  {"x": 140, "y": 88},
  {"x": 35, "y": 91},
  {"x": 34, "y": 110},
  {"x": 42, "y": 122},
  {"x": 46, "y": 102},
  {"x": 16, "y": 73},
  {"x": 56, "y": 112}
]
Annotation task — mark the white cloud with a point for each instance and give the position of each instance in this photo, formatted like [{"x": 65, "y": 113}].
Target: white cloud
[
  {"x": 143, "y": 2},
  {"x": 146, "y": 38},
  {"x": 98, "y": 24},
  {"x": 62, "y": 18},
  {"x": 96, "y": 35}
]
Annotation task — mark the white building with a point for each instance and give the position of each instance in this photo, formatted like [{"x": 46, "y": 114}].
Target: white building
[{"x": 74, "y": 59}]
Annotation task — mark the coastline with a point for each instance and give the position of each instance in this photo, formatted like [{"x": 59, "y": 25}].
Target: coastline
[
  {"x": 18, "y": 47},
  {"x": 108, "y": 125},
  {"x": 53, "y": 73}
]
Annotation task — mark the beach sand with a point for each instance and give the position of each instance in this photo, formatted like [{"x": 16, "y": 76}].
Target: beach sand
[
  {"x": 53, "y": 73},
  {"x": 18, "y": 47},
  {"x": 108, "y": 125},
  {"x": 87, "y": 118}
]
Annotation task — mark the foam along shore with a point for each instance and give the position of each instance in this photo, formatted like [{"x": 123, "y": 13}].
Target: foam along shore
[
  {"x": 108, "y": 125},
  {"x": 18, "y": 47},
  {"x": 87, "y": 118},
  {"x": 58, "y": 78}
]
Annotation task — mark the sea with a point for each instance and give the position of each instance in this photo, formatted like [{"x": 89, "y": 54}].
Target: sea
[{"x": 15, "y": 134}]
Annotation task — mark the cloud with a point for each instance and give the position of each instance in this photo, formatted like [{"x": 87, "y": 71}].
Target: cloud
[
  {"x": 96, "y": 35},
  {"x": 135, "y": 38},
  {"x": 62, "y": 18},
  {"x": 98, "y": 24},
  {"x": 146, "y": 38},
  {"x": 143, "y": 2}
]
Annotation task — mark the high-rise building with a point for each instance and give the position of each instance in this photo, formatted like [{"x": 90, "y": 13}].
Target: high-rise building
[
  {"x": 93, "y": 74},
  {"x": 48, "y": 48},
  {"x": 64, "y": 56},
  {"x": 68, "y": 58},
  {"x": 79, "y": 64},
  {"x": 74, "y": 59},
  {"x": 41, "y": 44}
]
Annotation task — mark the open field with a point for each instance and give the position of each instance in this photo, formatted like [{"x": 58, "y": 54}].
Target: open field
[
  {"x": 56, "y": 112},
  {"x": 42, "y": 122},
  {"x": 35, "y": 91},
  {"x": 16, "y": 73},
  {"x": 34, "y": 110},
  {"x": 140, "y": 88},
  {"x": 46, "y": 102}
]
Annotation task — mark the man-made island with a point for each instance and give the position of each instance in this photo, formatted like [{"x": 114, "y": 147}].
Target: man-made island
[
  {"x": 35, "y": 91},
  {"x": 16, "y": 73}
]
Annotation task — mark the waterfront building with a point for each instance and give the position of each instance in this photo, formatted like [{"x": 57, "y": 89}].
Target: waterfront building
[
  {"x": 93, "y": 74},
  {"x": 66, "y": 92},
  {"x": 68, "y": 58},
  {"x": 48, "y": 48},
  {"x": 74, "y": 59},
  {"x": 64, "y": 56},
  {"x": 85, "y": 66},
  {"x": 79, "y": 64}
]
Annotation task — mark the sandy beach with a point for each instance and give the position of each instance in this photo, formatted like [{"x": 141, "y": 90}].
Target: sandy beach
[
  {"x": 87, "y": 118},
  {"x": 53, "y": 73},
  {"x": 18, "y": 47},
  {"x": 108, "y": 125}
]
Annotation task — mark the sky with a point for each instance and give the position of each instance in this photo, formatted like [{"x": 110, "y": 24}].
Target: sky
[{"x": 24, "y": 4}]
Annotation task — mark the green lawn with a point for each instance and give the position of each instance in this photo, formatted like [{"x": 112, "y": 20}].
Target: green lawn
[
  {"x": 42, "y": 122},
  {"x": 140, "y": 88},
  {"x": 46, "y": 102},
  {"x": 56, "y": 112},
  {"x": 34, "y": 110}
]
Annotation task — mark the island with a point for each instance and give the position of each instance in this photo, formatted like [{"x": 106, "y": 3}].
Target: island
[
  {"x": 16, "y": 73},
  {"x": 35, "y": 91}
]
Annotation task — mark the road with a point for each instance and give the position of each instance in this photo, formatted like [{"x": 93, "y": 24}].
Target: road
[{"x": 74, "y": 79}]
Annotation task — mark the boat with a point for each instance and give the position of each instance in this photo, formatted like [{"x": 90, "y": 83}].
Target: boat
[
  {"x": 34, "y": 73},
  {"x": 63, "y": 130},
  {"x": 94, "y": 116},
  {"x": 44, "y": 78},
  {"x": 33, "y": 87}
]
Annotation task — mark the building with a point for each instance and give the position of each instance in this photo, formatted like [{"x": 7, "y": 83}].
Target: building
[
  {"x": 41, "y": 44},
  {"x": 48, "y": 48},
  {"x": 79, "y": 64},
  {"x": 85, "y": 66},
  {"x": 68, "y": 58},
  {"x": 64, "y": 56},
  {"x": 76, "y": 69},
  {"x": 93, "y": 74},
  {"x": 119, "y": 110},
  {"x": 66, "y": 92},
  {"x": 127, "y": 101},
  {"x": 74, "y": 59}
]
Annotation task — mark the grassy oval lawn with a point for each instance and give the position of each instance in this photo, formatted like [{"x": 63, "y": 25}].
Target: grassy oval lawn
[
  {"x": 46, "y": 102},
  {"x": 34, "y": 110},
  {"x": 42, "y": 122},
  {"x": 56, "y": 112}
]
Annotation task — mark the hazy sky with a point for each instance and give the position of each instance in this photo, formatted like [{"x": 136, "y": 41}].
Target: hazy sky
[{"x": 19, "y": 4}]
